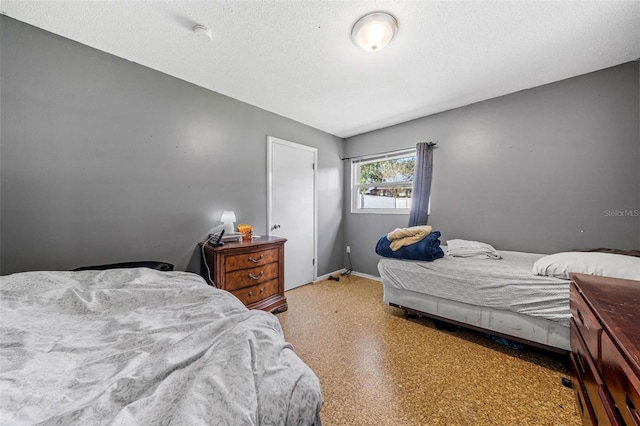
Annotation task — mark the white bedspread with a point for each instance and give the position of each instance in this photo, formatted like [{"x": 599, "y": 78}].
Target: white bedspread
[
  {"x": 506, "y": 284},
  {"x": 137, "y": 346}
]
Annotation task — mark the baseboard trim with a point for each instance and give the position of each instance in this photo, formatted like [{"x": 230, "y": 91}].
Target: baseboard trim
[
  {"x": 325, "y": 276},
  {"x": 339, "y": 274},
  {"x": 363, "y": 275}
]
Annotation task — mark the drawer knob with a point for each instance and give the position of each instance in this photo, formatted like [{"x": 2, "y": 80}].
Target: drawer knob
[
  {"x": 256, "y": 277},
  {"x": 262, "y": 290},
  {"x": 256, "y": 260},
  {"x": 250, "y": 293}
]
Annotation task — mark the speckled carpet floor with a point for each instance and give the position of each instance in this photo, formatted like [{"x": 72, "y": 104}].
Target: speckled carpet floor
[{"x": 377, "y": 368}]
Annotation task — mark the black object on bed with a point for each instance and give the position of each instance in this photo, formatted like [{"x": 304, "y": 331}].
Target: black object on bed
[
  {"x": 426, "y": 249},
  {"x": 158, "y": 266}
]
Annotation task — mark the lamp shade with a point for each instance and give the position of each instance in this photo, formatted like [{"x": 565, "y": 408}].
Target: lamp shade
[
  {"x": 228, "y": 217},
  {"x": 374, "y": 31}
]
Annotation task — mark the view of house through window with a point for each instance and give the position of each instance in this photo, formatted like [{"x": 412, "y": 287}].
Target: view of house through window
[{"x": 383, "y": 184}]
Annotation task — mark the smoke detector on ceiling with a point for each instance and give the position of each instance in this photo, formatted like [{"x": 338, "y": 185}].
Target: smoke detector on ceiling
[{"x": 202, "y": 32}]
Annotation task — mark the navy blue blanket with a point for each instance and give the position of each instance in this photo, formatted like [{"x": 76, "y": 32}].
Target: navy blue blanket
[{"x": 426, "y": 249}]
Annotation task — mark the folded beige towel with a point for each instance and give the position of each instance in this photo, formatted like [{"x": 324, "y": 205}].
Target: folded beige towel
[{"x": 401, "y": 237}]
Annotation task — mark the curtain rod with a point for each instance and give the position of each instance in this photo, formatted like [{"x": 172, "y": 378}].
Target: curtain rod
[{"x": 396, "y": 151}]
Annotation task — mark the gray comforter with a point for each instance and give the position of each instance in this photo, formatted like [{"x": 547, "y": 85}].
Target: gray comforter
[
  {"x": 507, "y": 283},
  {"x": 137, "y": 346}
]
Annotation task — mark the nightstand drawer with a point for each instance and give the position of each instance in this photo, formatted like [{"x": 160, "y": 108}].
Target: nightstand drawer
[
  {"x": 589, "y": 377},
  {"x": 249, "y": 295},
  {"x": 251, "y": 260},
  {"x": 586, "y": 322},
  {"x": 623, "y": 385},
  {"x": 249, "y": 277},
  {"x": 582, "y": 400}
]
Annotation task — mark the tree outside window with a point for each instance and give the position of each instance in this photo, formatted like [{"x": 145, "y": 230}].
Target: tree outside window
[{"x": 383, "y": 185}]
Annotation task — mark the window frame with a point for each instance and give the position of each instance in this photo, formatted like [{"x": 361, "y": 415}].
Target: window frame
[{"x": 355, "y": 181}]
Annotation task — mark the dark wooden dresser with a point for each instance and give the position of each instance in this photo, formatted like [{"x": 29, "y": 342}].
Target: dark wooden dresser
[
  {"x": 605, "y": 349},
  {"x": 253, "y": 271}
]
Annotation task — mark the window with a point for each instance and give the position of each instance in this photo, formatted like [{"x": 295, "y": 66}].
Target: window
[{"x": 383, "y": 184}]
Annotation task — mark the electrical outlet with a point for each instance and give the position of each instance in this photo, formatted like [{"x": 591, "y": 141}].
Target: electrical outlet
[{"x": 348, "y": 249}]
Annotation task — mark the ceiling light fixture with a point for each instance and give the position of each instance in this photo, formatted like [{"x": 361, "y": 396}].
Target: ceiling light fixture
[{"x": 374, "y": 31}]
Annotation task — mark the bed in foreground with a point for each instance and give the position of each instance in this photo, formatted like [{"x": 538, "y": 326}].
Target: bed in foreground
[
  {"x": 501, "y": 297},
  {"x": 139, "y": 346}
]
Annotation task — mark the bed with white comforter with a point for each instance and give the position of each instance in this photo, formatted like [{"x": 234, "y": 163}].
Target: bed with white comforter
[
  {"x": 501, "y": 296},
  {"x": 139, "y": 346}
]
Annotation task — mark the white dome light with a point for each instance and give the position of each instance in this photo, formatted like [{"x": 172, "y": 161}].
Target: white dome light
[{"x": 374, "y": 31}]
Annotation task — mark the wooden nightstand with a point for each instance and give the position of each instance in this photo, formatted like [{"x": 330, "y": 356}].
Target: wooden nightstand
[
  {"x": 253, "y": 271},
  {"x": 605, "y": 349}
]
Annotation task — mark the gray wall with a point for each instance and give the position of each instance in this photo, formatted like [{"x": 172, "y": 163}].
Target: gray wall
[
  {"x": 542, "y": 170},
  {"x": 103, "y": 160}
]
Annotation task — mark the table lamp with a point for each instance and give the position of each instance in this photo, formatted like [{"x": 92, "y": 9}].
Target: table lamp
[{"x": 228, "y": 217}]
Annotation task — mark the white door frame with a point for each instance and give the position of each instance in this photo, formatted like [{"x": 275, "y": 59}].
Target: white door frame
[{"x": 270, "y": 141}]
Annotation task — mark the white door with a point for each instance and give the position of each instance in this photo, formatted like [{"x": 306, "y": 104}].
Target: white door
[{"x": 292, "y": 207}]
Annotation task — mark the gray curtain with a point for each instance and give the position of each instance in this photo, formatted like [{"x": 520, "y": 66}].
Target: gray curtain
[{"x": 421, "y": 184}]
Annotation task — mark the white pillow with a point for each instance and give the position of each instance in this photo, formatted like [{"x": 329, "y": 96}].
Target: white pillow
[
  {"x": 559, "y": 265},
  {"x": 465, "y": 248}
]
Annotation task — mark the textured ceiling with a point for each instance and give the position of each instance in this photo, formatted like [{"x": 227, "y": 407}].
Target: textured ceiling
[{"x": 296, "y": 58}]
